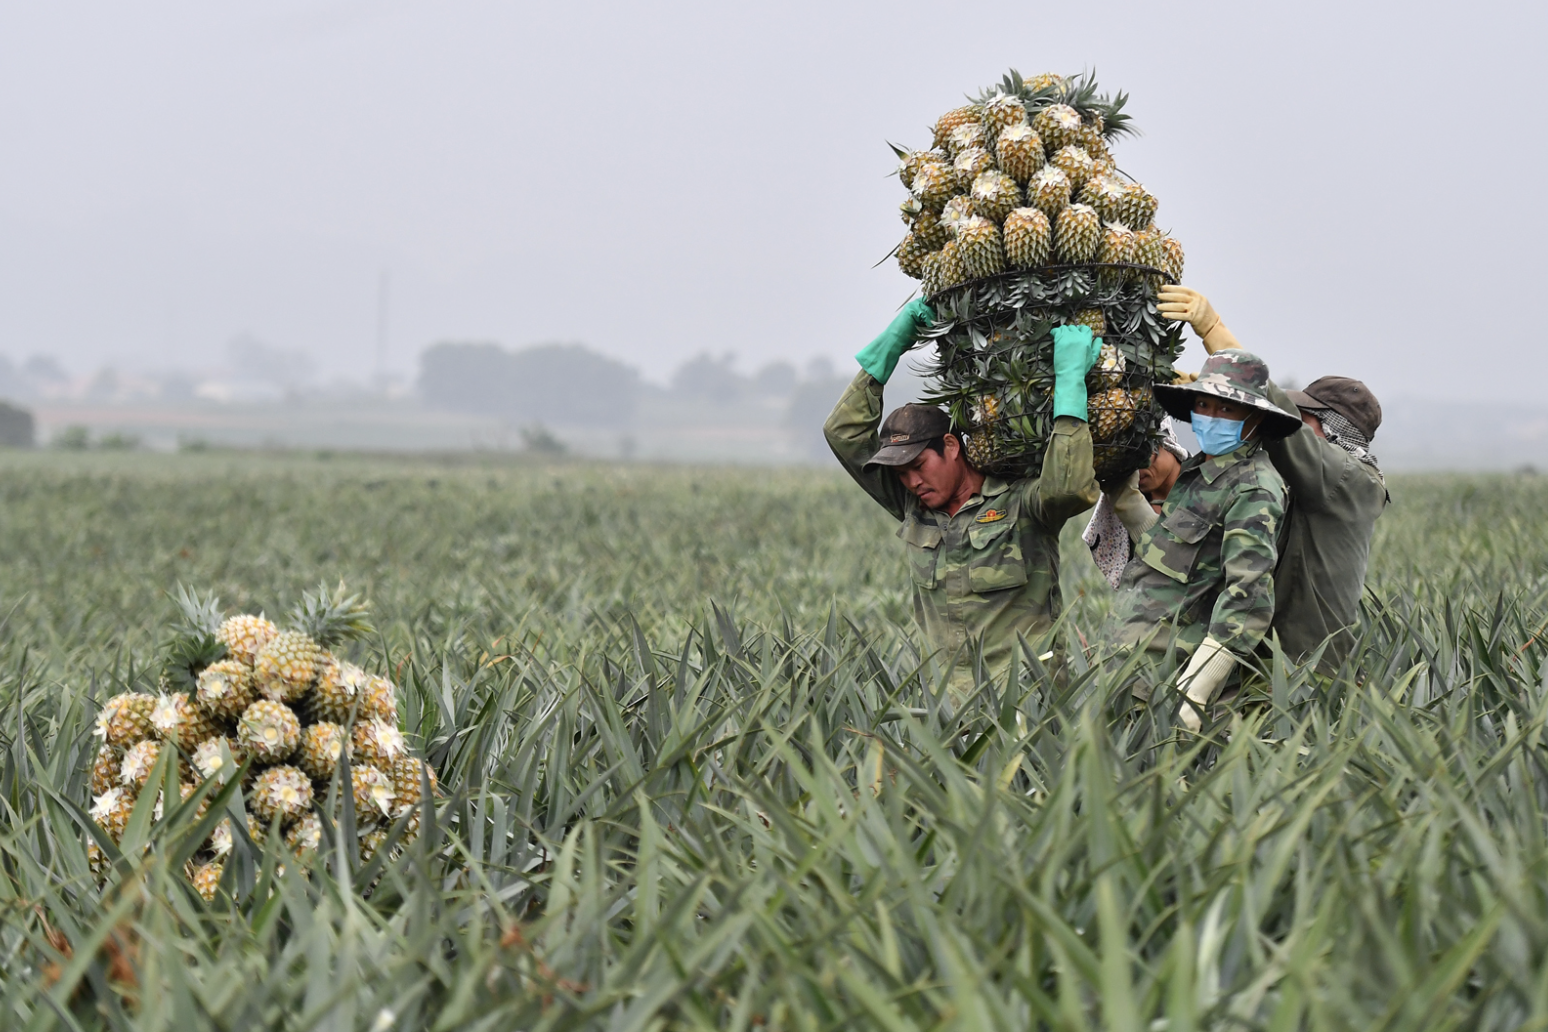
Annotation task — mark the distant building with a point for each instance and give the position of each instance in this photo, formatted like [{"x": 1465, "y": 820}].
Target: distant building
[{"x": 16, "y": 428}]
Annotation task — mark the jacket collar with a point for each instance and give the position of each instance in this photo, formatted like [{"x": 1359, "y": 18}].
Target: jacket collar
[{"x": 1211, "y": 466}]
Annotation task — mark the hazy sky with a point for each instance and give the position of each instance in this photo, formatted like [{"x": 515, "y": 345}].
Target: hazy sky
[{"x": 1351, "y": 181}]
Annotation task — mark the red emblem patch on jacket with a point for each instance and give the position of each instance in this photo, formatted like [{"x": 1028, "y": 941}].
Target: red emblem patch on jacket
[{"x": 990, "y": 516}]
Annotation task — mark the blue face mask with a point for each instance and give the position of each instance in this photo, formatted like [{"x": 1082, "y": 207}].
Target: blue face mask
[{"x": 1217, "y": 436}]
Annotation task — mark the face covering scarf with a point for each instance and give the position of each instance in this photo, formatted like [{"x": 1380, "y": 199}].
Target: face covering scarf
[{"x": 1217, "y": 436}]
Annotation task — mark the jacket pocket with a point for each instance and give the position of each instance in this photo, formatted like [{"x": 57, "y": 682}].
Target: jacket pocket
[
  {"x": 996, "y": 562},
  {"x": 924, "y": 550},
  {"x": 1172, "y": 546}
]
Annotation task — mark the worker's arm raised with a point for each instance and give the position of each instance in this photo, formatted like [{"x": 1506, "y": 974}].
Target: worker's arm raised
[{"x": 1184, "y": 304}]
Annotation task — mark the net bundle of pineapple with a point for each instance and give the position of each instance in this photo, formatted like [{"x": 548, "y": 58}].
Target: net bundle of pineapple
[
  {"x": 1019, "y": 221},
  {"x": 243, "y": 689}
]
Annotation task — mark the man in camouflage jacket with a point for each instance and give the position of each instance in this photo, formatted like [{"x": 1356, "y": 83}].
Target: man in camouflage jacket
[
  {"x": 985, "y": 563},
  {"x": 1202, "y": 576}
]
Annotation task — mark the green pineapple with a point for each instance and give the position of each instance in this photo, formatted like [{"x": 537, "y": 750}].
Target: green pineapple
[
  {"x": 105, "y": 769},
  {"x": 180, "y": 720},
  {"x": 1077, "y": 234},
  {"x": 1026, "y": 238},
  {"x": 1020, "y": 152},
  {"x": 1058, "y": 125},
  {"x": 934, "y": 184},
  {"x": 930, "y": 230},
  {"x": 995, "y": 194},
  {"x": 111, "y": 811},
  {"x": 1172, "y": 258},
  {"x": 968, "y": 165},
  {"x": 1049, "y": 191},
  {"x": 408, "y": 776},
  {"x": 910, "y": 262},
  {"x": 1076, "y": 165},
  {"x": 1092, "y": 317},
  {"x": 135, "y": 769},
  {"x": 957, "y": 211},
  {"x": 966, "y": 137},
  {"x": 978, "y": 244},
  {"x": 954, "y": 118},
  {"x": 1111, "y": 412},
  {"x": 1137, "y": 207}
]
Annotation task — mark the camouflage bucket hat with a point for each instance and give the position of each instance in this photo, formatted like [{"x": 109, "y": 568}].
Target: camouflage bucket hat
[{"x": 1232, "y": 375}]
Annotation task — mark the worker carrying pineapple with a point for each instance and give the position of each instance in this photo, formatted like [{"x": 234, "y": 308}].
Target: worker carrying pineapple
[
  {"x": 1202, "y": 576},
  {"x": 1337, "y": 491},
  {"x": 983, "y": 552}
]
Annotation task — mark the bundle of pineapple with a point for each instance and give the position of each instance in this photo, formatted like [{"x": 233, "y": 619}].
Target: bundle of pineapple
[
  {"x": 1020, "y": 221},
  {"x": 241, "y": 689}
]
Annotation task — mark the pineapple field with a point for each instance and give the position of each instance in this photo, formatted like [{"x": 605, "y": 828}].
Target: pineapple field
[{"x": 684, "y": 766}]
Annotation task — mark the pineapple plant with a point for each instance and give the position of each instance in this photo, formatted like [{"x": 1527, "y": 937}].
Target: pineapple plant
[
  {"x": 1077, "y": 233},
  {"x": 1026, "y": 238}
]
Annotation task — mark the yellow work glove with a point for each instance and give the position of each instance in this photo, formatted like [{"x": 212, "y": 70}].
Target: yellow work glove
[
  {"x": 1205, "y": 673},
  {"x": 1132, "y": 508},
  {"x": 1183, "y": 304}
]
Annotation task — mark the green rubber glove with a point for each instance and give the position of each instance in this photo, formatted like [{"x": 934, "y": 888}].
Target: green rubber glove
[
  {"x": 880, "y": 357},
  {"x": 1075, "y": 352}
]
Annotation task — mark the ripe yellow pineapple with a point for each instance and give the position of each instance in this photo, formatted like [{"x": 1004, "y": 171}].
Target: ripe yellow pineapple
[
  {"x": 1137, "y": 207},
  {"x": 139, "y": 758},
  {"x": 1111, "y": 412},
  {"x": 1093, "y": 318},
  {"x": 1075, "y": 163},
  {"x": 968, "y": 165},
  {"x": 1026, "y": 238},
  {"x": 1172, "y": 258},
  {"x": 407, "y": 781},
  {"x": 321, "y": 746},
  {"x": 968, "y": 136},
  {"x": 244, "y": 635},
  {"x": 930, "y": 230},
  {"x": 1058, "y": 125},
  {"x": 226, "y": 689},
  {"x": 377, "y": 743},
  {"x": 105, "y": 769},
  {"x": 111, "y": 811},
  {"x": 179, "y": 720},
  {"x": 910, "y": 262},
  {"x": 269, "y": 731},
  {"x": 978, "y": 244},
  {"x": 282, "y": 793},
  {"x": 1049, "y": 191},
  {"x": 373, "y": 792},
  {"x": 1020, "y": 151},
  {"x": 995, "y": 195},
  {"x": 206, "y": 879},
  {"x": 957, "y": 211},
  {"x": 934, "y": 184},
  {"x": 286, "y": 666},
  {"x": 1077, "y": 233},
  {"x": 1105, "y": 194},
  {"x": 1003, "y": 111},
  {"x": 1110, "y": 366},
  {"x": 954, "y": 118},
  {"x": 126, "y": 719}
]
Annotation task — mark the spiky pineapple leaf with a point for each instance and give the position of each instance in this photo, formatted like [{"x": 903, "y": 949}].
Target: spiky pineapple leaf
[
  {"x": 185, "y": 656},
  {"x": 332, "y": 617},
  {"x": 201, "y": 613}
]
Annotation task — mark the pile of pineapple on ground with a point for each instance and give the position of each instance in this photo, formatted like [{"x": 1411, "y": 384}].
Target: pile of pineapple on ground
[
  {"x": 278, "y": 700},
  {"x": 1024, "y": 178}
]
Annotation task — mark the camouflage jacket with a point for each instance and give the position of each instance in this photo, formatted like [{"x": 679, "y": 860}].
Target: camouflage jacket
[
  {"x": 1207, "y": 566},
  {"x": 990, "y": 572},
  {"x": 1325, "y": 543}
]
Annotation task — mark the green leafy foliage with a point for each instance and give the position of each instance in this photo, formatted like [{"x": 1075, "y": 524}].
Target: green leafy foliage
[{"x": 658, "y": 811}]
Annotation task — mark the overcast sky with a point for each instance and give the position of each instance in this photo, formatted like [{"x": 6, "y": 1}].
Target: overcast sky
[{"x": 1352, "y": 182}]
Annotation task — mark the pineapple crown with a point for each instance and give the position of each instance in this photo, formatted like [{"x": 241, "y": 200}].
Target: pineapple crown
[
  {"x": 201, "y": 613},
  {"x": 1077, "y": 91},
  {"x": 329, "y": 618}
]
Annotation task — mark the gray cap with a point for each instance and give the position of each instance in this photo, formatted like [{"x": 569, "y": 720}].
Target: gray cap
[{"x": 907, "y": 431}]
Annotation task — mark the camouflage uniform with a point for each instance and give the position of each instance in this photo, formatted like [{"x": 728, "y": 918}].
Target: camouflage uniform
[
  {"x": 1207, "y": 565},
  {"x": 991, "y": 571}
]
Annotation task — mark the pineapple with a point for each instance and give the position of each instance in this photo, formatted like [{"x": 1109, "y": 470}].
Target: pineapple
[
  {"x": 105, "y": 770},
  {"x": 1117, "y": 247},
  {"x": 1003, "y": 111},
  {"x": 1047, "y": 81},
  {"x": 111, "y": 811},
  {"x": 909, "y": 162},
  {"x": 281, "y": 793},
  {"x": 1049, "y": 191},
  {"x": 954, "y": 118},
  {"x": 1093, "y": 318},
  {"x": 995, "y": 194},
  {"x": 910, "y": 209},
  {"x": 978, "y": 242},
  {"x": 407, "y": 782},
  {"x": 932, "y": 233},
  {"x": 206, "y": 879},
  {"x": 373, "y": 792},
  {"x": 1110, "y": 366},
  {"x": 244, "y": 635},
  {"x": 321, "y": 746},
  {"x": 948, "y": 271},
  {"x": 1105, "y": 194},
  {"x": 1058, "y": 125},
  {"x": 1149, "y": 252},
  {"x": 1077, "y": 233},
  {"x": 957, "y": 211},
  {"x": 968, "y": 136},
  {"x": 126, "y": 719},
  {"x": 179, "y": 720},
  {"x": 225, "y": 689},
  {"x": 910, "y": 259},
  {"x": 1075, "y": 163},
  {"x": 1091, "y": 140},
  {"x": 372, "y": 841},
  {"x": 305, "y": 836},
  {"x": 1026, "y": 238},
  {"x": 980, "y": 443},
  {"x": 269, "y": 731},
  {"x": 377, "y": 743},
  {"x": 220, "y": 838},
  {"x": 1137, "y": 208},
  {"x": 1172, "y": 258},
  {"x": 1020, "y": 151},
  {"x": 217, "y": 758},
  {"x": 968, "y": 165},
  {"x": 341, "y": 685},
  {"x": 1111, "y": 412},
  {"x": 934, "y": 184},
  {"x": 139, "y": 759},
  {"x": 286, "y": 666},
  {"x": 184, "y": 790}
]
